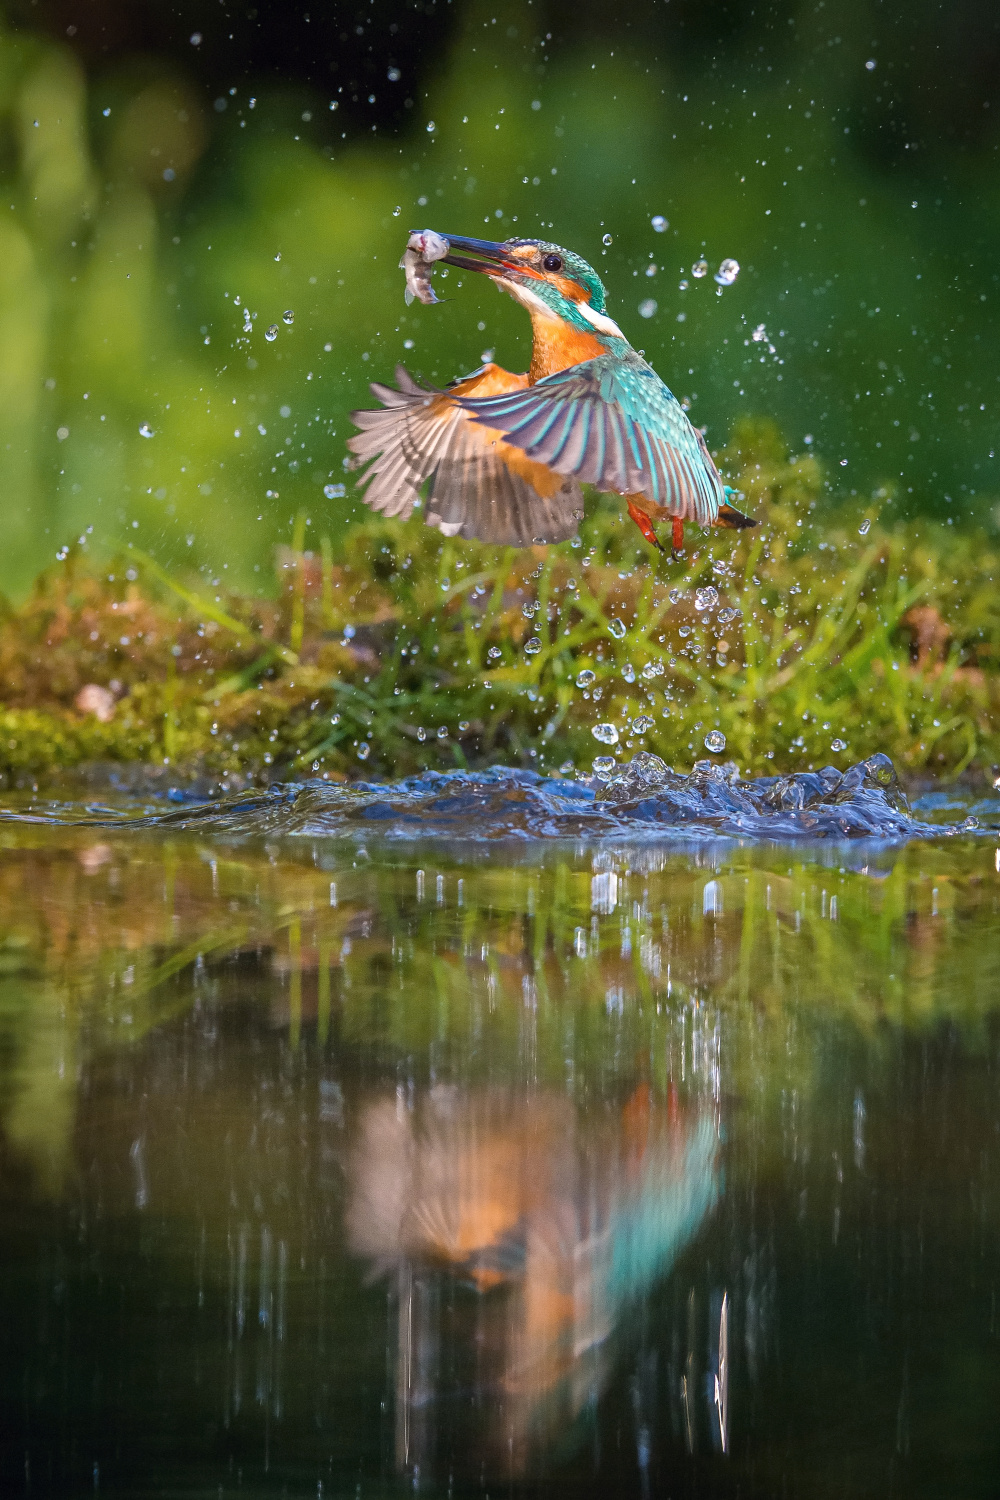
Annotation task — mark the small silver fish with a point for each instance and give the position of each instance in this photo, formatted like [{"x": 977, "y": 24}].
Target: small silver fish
[{"x": 422, "y": 249}]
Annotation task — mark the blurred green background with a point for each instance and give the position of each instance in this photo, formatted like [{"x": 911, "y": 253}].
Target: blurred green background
[{"x": 178, "y": 179}]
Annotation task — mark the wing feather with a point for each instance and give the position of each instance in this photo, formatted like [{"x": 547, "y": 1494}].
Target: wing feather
[
  {"x": 420, "y": 437},
  {"x": 610, "y": 422},
  {"x": 613, "y": 424}
]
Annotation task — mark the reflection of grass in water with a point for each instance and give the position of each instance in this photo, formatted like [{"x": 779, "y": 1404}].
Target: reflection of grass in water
[
  {"x": 411, "y": 650},
  {"x": 102, "y": 944}
]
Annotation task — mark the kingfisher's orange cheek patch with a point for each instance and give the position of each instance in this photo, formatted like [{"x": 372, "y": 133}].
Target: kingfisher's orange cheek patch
[{"x": 571, "y": 290}]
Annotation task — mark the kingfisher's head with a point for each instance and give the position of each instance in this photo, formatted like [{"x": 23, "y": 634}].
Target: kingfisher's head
[{"x": 546, "y": 279}]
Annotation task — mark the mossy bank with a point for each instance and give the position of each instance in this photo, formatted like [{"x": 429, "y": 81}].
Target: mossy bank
[{"x": 824, "y": 635}]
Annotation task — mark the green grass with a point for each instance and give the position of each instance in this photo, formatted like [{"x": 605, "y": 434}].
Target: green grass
[{"x": 408, "y": 650}]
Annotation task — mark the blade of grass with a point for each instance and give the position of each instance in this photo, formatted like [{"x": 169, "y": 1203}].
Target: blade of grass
[{"x": 206, "y": 607}]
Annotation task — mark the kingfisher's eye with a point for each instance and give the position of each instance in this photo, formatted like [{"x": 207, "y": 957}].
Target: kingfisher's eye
[{"x": 552, "y": 263}]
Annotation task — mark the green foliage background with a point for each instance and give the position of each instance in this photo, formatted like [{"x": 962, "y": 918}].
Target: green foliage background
[{"x": 136, "y": 209}]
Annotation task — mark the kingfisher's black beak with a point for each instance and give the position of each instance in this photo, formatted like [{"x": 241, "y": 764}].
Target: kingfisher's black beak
[{"x": 478, "y": 255}]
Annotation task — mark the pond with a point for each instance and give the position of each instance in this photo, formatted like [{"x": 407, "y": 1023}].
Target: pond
[{"x": 340, "y": 1163}]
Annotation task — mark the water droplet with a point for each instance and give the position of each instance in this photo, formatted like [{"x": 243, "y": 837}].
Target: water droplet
[
  {"x": 334, "y": 491},
  {"x": 271, "y": 333},
  {"x": 715, "y": 741},
  {"x": 617, "y": 629},
  {"x": 604, "y": 765},
  {"x": 864, "y": 528},
  {"x": 442, "y": 733},
  {"x": 642, "y": 725},
  {"x": 532, "y": 646},
  {"x": 870, "y": 65},
  {"x": 585, "y": 678},
  {"x": 494, "y": 653},
  {"x": 288, "y": 317},
  {"x": 727, "y": 272},
  {"x": 145, "y": 430},
  {"x": 393, "y": 75},
  {"x": 278, "y": 256},
  {"x": 652, "y": 669},
  {"x": 675, "y": 596},
  {"x": 364, "y": 750},
  {"x": 397, "y": 211},
  {"x": 628, "y": 672},
  {"x": 606, "y": 239},
  {"x": 700, "y": 268},
  {"x": 706, "y": 598},
  {"x": 431, "y": 127},
  {"x": 606, "y": 734},
  {"x": 838, "y": 744},
  {"x": 881, "y": 769},
  {"x": 725, "y": 615},
  {"x": 648, "y": 307},
  {"x": 659, "y": 223}
]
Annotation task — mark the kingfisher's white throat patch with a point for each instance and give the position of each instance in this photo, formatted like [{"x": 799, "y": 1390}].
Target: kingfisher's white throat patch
[
  {"x": 528, "y": 299},
  {"x": 599, "y": 321}
]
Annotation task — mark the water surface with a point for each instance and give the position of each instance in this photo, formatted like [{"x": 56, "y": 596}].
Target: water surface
[{"x": 337, "y": 1162}]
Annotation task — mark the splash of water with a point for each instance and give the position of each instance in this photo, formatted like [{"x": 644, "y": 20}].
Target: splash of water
[{"x": 643, "y": 799}]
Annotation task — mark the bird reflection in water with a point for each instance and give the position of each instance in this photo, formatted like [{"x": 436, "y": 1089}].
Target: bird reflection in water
[{"x": 518, "y": 1231}]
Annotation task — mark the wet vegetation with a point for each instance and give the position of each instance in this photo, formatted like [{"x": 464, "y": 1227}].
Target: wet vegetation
[{"x": 818, "y": 638}]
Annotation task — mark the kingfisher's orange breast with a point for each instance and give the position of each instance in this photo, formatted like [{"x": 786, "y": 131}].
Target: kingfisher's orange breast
[{"x": 557, "y": 346}]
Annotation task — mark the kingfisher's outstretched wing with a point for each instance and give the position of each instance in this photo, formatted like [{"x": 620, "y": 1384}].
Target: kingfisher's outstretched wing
[
  {"x": 480, "y": 485},
  {"x": 610, "y": 422}
]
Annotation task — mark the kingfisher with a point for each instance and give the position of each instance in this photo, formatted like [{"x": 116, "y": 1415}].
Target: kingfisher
[{"x": 505, "y": 454}]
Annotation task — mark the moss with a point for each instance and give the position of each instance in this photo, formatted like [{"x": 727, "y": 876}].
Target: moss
[{"x": 833, "y": 634}]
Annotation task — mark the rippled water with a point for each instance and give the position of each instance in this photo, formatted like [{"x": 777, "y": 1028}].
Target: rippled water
[
  {"x": 642, "y": 798},
  {"x": 345, "y": 1152}
]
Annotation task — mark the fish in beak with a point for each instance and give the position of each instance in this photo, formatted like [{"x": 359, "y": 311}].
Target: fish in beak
[
  {"x": 426, "y": 248},
  {"x": 423, "y": 250}
]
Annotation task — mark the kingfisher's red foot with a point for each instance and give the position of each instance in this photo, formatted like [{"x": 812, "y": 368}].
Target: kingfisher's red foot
[
  {"x": 678, "y": 534},
  {"x": 644, "y": 524}
]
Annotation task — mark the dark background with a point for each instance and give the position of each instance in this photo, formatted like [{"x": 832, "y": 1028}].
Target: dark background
[{"x": 943, "y": 60}]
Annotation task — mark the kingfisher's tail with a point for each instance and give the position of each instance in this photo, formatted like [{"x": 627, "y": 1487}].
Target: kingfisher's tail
[{"x": 731, "y": 519}]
